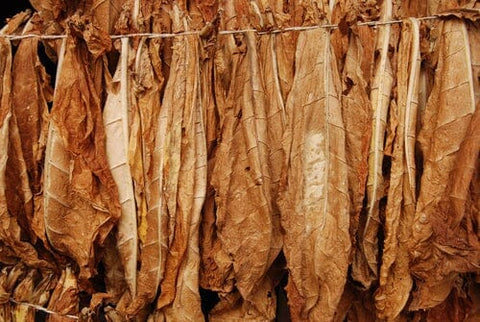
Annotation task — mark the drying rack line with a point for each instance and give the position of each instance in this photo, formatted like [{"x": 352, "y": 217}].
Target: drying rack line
[{"x": 221, "y": 32}]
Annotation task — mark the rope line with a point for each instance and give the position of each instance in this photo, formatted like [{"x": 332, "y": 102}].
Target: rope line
[{"x": 221, "y": 32}]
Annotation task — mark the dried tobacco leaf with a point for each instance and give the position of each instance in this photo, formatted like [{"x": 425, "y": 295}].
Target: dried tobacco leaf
[
  {"x": 441, "y": 244},
  {"x": 80, "y": 191},
  {"x": 30, "y": 95},
  {"x": 412, "y": 8},
  {"x": 153, "y": 228},
  {"x": 346, "y": 15},
  {"x": 18, "y": 194},
  {"x": 440, "y": 6},
  {"x": 395, "y": 280},
  {"x": 356, "y": 110},
  {"x": 32, "y": 290},
  {"x": 115, "y": 284},
  {"x": 356, "y": 305},
  {"x": 268, "y": 47},
  {"x": 106, "y": 13},
  {"x": 185, "y": 170},
  {"x": 242, "y": 178},
  {"x": 315, "y": 203},
  {"x": 19, "y": 174},
  {"x": 9, "y": 277},
  {"x": 456, "y": 307},
  {"x": 16, "y": 22},
  {"x": 207, "y": 8},
  {"x": 188, "y": 279},
  {"x": 116, "y": 122},
  {"x": 365, "y": 266},
  {"x": 216, "y": 272},
  {"x": 12, "y": 206},
  {"x": 474, "y": 42},
  {"x": 48, "y": 9},
  {"x": 136, "y": 164},
  {"x": 23, "y": 293},
  {"x": 64, "y": 299}
]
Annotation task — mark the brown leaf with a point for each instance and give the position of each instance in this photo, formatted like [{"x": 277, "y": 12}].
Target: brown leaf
[
  {"x": 80, "y": 190},
  {"x": 447, "y": 135},
  {"x": 315, "y": 203}
]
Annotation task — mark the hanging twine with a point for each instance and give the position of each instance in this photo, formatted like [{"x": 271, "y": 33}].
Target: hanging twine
[{"x": 221, "y": 32}]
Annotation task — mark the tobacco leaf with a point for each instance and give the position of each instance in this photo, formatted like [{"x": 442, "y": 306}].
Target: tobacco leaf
[
  {"x": 33, "y": 289},
  {"x": 411, "y": 8},
  {"x": 64, "y": 299},
  {"x": 48, "y": 9},
  {"x": 241, "y": 177},
  {"x": 148, "y": 84},
  {"x": 456, "y": 307},
  {"x": 346, "y": 14},
  {"x": 116, "y": 122},
  {"x": 356, "y": 305},
  {"x": 188, "y": 279},
  {"x": 18, "y": 194},
  {"x": 80, "y": 191},
  {"x": 185, "y": 174},
  {"x": 268, "y": 47},
  {"x": 13, "y": 207},
  {"x": 365, "y": 266},
  {"x": 23, "y": 293},
  {"x": 106, "y": 13},
  {"x": 7, "y": 255},
  {"x": 448, "y": 140},
  {"x": 30, "y": 97},
  {"x": 216, "y": 272},
  {"x": 9, "y": 279},
  {"x": 356, "y": 110},
  {"x": 279, "y": 15},
  {"x": 136, "y": 160},
  {"x": 114, "y": 278},
  {"x": 207, "y": 8},
  {"x": 15, "y": 23},
  {"x": 211, "y": 276},
  {"x": 315, "y": 203},
  {"x": 440, "y": 6},
  {"x": 395, "y": 280},
  {"x": 474, "y": 42}
]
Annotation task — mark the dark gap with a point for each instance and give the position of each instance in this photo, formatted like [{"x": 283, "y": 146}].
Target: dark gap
[
  {"x": 40, "y": 316},
  {"x": 50, "y": 66},
  {"x": 356, "y": 284},
  {"x": 349, "y": 85},
  {"x": 84, "y": 299},
  {"x": 419, "y": 167},
  {"x": 381, "y": 235},
  {"x": 386, "y": 166},
  {"x": 10, "y": 8},
  {"x": 98, "y": 280},
  {"x": 209, "y": 300},
  {"x": 283, "y": 312},
  {"x": 113, "y": 57},
  {"x": 362, "y": 220}
]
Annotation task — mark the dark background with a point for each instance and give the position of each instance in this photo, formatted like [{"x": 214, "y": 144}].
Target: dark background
[{"x": 10, "y": 8}]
